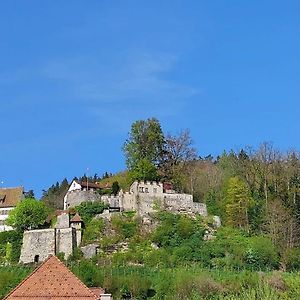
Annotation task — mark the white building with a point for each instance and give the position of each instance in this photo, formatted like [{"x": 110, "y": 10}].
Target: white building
[{"x": 9, "y": 198}]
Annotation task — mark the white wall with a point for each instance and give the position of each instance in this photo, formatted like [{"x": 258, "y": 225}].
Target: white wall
[{"x": 4, "y": 211}]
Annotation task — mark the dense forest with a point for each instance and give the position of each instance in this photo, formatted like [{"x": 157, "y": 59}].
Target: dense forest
[{"x": 254, "y": 255}]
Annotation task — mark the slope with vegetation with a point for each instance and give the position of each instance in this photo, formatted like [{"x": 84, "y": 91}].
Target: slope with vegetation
[{"x": 254, "y": 255}]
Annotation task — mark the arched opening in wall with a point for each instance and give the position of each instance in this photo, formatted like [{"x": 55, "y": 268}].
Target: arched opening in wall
[{"x": 36, "y": 258}]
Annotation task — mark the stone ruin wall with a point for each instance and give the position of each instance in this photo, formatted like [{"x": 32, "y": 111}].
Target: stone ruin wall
[
  {"x": 43, "y": 242},
  {"x": 37, "y": 242},
  {"x": 66, "y": 241},
  {"x": 76, "y": 197}
]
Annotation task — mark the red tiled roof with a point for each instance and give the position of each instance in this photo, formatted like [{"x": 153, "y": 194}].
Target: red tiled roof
[
  {"x": 89, "y": 184},
  {"x": 76, "y": 218},
  {"x": 52, "y": 280},
  {"x": 97, "y": 291},
  {"x": 10, "y": 196}
]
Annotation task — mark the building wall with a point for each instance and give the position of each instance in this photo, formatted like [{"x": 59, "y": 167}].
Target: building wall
[
  {"x": 43, "y": 242},
  {"x": 74, "y": 186},
  {"x": 76, "y": 197},
  {"x": 66, "y": 241},
  {"x": 4, "y": 211},
  {"x": 37, "y": 242}
]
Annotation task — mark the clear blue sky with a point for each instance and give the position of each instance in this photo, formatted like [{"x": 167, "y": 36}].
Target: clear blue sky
[{"x": 74, "y": 75}]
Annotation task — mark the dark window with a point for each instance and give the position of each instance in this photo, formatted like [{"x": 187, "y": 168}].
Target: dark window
[{"x": 36, "y": 258}]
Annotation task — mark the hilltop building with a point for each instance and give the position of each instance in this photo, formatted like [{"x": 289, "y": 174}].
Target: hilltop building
[
  {"x": 53, "y": 280},
  {"x": 79, "y": 192},
  {"x": 9, "y": 198},
  {"x": 143, "y": 197}
]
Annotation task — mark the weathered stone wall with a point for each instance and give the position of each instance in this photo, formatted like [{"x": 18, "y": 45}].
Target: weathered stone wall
[
  {"x": 112, "y": 201},
  {"x": 63, "y": 221},
  {"x": 66, "y": 241},
  {"x": 76, "y": 197},
  {"x": 37, "y": 242}
]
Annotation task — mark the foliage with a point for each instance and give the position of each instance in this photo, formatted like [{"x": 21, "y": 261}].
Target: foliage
[
  {"x": 238, "y": 201},
  {"x": 28, "y": 214},
  {"x": 13, "y": 238},
  {"x": 92, "y": 231},
  {"x": 54, "y": 196},
  {"x": 115, "y": 188},
  {"x": 125, "y": 225},
  {"x": 87, "y": 210},
  {"x": 143, "y": 149}
]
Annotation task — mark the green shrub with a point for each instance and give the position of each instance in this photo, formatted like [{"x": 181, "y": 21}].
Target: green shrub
[
  {"x": 291, "y": 259},
  {"x": 87, "y": 210},
  {"x": 93, "y": 231}
]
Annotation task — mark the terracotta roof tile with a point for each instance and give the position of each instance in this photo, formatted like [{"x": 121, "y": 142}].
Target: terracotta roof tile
[
  {"x": 52, "y": 280},
  {"x": 89, "y": 184},
  {"x": 76, "y": 218},
  {"x": 10, "y": 196}
]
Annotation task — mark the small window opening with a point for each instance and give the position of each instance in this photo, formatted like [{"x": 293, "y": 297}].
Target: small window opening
[{"x": 36, "y": 258}]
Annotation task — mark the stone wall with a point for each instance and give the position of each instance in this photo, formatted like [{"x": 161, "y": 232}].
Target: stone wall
[
  {"x": 112, "y": 201},
  {"x": 76, "y": 197},
  {"x": 66, "y": 241},
  {"x": 37, "y": 245}
]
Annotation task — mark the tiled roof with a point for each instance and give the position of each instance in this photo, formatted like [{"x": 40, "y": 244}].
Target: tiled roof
[
  {"x": 10, "y": 196},
  {"x": 76, "y": 218},
  {"x": 52, "y": 280},
  {"x": 89, "y": 184}
]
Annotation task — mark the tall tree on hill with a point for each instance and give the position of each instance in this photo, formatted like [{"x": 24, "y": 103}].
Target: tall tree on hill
[
  {"x": 143, "y": 149},
  {"x": 238, "y": 202},
  {"x": 177, "y": 157}
]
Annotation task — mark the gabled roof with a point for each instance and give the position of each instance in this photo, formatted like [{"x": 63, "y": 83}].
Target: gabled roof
[
  {"x": 10, "y": 197},
  {"x": 52, "y": 280},
  {"x": 76, "y": 218}
]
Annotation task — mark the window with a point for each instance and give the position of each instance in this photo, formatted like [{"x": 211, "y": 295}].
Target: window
[
  {"x": 141, "y": 189},
  {"x": 36, "y": 258},
  {"x": 146, "y": 190}
]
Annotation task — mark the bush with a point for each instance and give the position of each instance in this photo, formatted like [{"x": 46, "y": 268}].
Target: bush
[
  {"x": 261, "y": 254},
  {"x": 14, "y": 238},
  {"x": 291, "y": 259},
  {"x": 126, "y": 226},
  {"x": 93, "y": 231},
  {"x": 88, "y": 210}
]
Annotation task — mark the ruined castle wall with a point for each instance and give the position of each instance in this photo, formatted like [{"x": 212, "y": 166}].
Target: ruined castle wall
[
  {"x": 66, "y": 241},
  {"x": 112, "y": 201},
  {"x": 76, "y": 197},
  {"x": 129, "y": 202},
  {"x": 39, "y": 243},
  {"x": 200, "y": 208}
]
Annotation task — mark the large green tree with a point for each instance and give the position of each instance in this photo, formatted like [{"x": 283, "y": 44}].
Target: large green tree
[
  {"x": 144, "y": 148},
  {"x": 28, "y": 214},
  {"x": 238, "y": 202}
]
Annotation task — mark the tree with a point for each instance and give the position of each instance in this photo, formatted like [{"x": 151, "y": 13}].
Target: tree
[
  {"x": 238, "y": 201},
  {"x": 28, "y": 214},
  {"x": 115, "y": 188},
  {"x": 177, "y": 157},
  {"x": 144, "y": 148}
]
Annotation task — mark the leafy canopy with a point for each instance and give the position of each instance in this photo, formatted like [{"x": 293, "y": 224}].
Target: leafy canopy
[
  {"x": 28, "y": 214},
  {"x": 144, "y": 148}
]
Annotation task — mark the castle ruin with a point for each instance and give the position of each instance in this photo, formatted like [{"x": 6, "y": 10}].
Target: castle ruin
[{"x": 143, "y": 197}]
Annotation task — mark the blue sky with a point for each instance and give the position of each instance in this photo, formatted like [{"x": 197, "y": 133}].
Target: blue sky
[{"x": 74, "y": 75}]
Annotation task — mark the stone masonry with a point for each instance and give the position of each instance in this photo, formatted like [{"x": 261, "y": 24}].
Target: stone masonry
[
  {"x": 143, "y": 197},
  {"x": 39, "y": 244}
]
